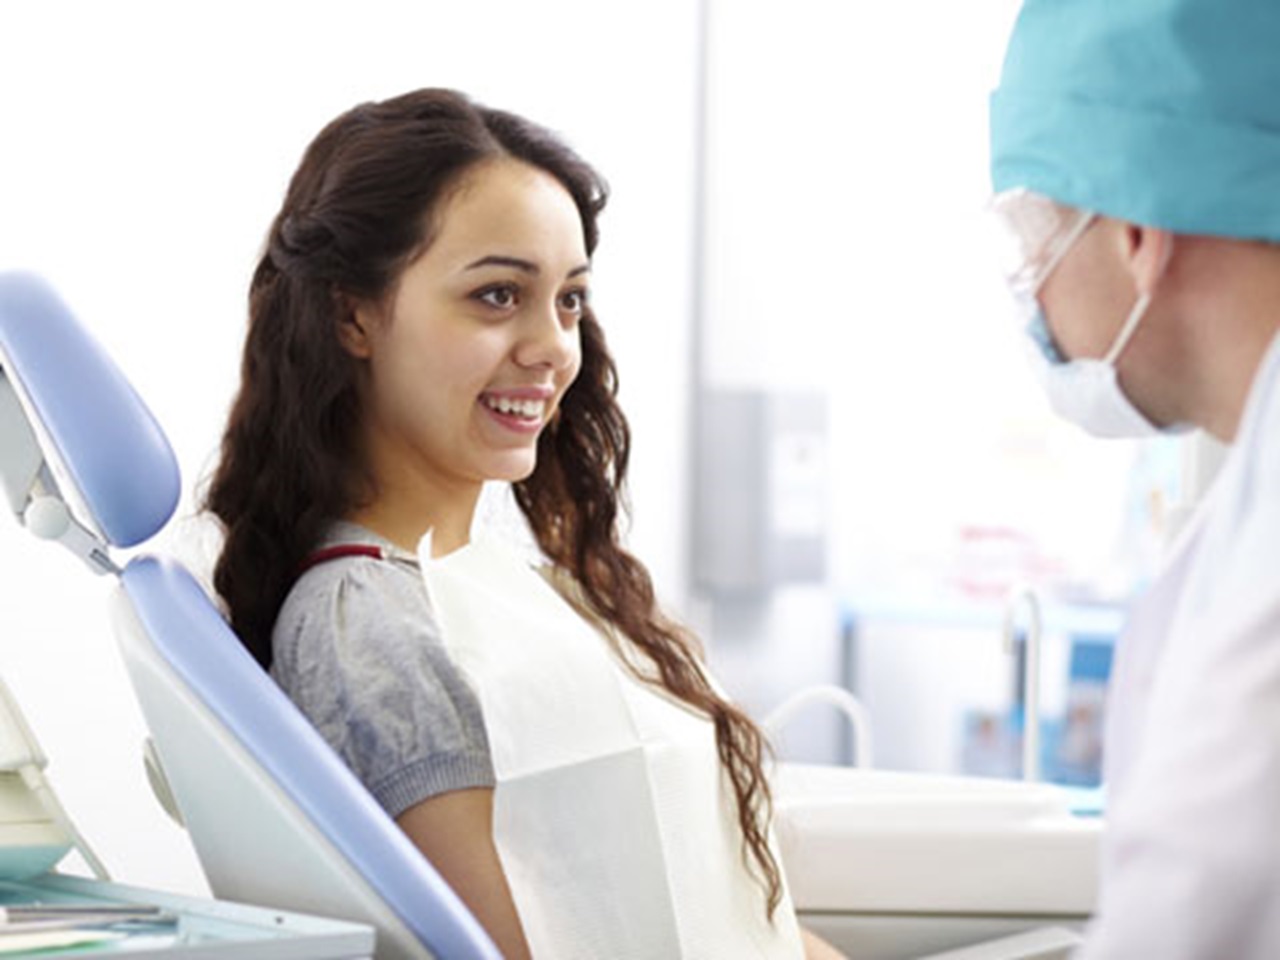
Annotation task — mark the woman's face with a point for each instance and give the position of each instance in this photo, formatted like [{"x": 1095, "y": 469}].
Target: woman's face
[{"x": 470, "y": 356}]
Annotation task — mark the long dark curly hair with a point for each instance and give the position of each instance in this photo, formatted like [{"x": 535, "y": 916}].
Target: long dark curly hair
[{"x": 357, "y": 211}]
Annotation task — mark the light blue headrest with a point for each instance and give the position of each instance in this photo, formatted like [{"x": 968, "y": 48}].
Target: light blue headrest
[
  {"x": 105, "y": 439},
  {"x": 1160, "y": 112}
]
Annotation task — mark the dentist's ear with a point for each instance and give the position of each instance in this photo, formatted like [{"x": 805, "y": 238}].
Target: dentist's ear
[{"x": 1148, "y": 251}]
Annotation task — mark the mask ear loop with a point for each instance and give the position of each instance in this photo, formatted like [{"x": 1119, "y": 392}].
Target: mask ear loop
[
  {"x": 1127, "y": 331},
  {"x": 1136, "y": 314}
]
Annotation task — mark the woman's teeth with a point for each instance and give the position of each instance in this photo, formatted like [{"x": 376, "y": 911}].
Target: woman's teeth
[{"x": 527, "y": 409}]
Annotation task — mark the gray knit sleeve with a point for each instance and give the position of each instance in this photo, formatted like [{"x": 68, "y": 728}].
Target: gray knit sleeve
[{"x": 357, "y": 648}]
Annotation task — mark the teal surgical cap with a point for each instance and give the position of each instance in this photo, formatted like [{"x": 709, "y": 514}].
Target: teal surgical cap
[{"x": 1164, "y": 113}]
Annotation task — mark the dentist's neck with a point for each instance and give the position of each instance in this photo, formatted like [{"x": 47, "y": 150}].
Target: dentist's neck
[
  {"x": 1233, "y": 316},
  {"x": 1239, "y": 357}
]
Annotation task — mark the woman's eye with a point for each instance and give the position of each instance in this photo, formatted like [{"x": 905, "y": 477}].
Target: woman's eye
[
  {"x": 503, "y": 297},
  {"x": 574, "y": 301}
]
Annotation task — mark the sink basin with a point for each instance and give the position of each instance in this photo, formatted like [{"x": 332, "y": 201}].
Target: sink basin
[{"x": 876, "y": 841}]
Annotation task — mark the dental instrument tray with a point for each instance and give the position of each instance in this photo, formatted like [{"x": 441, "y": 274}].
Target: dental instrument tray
[{"x": 88, "y": 918}]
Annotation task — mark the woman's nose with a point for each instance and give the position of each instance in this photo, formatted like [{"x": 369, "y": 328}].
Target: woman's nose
[{"x": 549, "y": 339}]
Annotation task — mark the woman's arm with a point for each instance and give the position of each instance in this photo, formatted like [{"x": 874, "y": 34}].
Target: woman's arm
[
  {"x": 455, "y": 832},
  {"x": 815, "y": 948}
]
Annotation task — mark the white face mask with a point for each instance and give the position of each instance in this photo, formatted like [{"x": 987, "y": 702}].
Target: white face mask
[{"x": 1087, "y": 392}]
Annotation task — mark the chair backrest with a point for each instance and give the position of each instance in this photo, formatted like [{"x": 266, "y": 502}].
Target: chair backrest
[
  {"x": 276, "y": 818},
  {"x": 83, "y": 460}
]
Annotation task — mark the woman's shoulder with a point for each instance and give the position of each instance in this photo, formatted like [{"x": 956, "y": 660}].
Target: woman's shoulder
[{"x": 353, "y": 584}]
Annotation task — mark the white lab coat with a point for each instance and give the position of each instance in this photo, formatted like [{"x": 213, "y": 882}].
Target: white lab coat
[{"x": 1191, "y": 851}]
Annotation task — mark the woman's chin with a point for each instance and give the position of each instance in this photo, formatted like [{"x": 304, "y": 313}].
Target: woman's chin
[{"x": 513, "y": 467}]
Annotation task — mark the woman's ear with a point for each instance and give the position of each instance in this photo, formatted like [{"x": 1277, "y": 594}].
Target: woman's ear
[
  {"x": 355, "y": 320},
  {"x": 1147, "y": 252}
]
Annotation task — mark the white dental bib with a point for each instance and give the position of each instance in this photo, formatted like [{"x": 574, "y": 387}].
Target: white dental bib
[{"x": 617, "y": 830}]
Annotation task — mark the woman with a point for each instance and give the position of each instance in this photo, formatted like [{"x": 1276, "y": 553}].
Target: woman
[{"x": 419, "y": 324}]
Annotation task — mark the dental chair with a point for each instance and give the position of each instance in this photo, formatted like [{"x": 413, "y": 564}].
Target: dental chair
[{"x": 276, "y": 818}]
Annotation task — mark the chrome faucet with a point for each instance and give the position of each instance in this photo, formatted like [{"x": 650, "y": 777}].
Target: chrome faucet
[{"x": 1030, "y": 673}]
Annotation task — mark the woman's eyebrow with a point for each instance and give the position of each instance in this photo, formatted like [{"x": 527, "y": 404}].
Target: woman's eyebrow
[
  {"x": 526, "y": 266},
  {"x": 495, "y": 260}
]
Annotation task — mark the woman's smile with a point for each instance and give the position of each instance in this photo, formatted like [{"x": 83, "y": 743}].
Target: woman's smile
[{"x": 522, "y": 411}]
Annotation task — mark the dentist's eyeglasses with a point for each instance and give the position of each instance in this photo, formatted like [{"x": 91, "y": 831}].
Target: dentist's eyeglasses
[{"x": 1035, "y": 234}]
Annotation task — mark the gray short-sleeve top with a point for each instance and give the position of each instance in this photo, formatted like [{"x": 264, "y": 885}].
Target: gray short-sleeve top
[{"x": 357, "y": 649}]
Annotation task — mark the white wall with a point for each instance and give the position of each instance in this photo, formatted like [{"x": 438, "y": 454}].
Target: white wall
[
  {"x": 849, "y": 253},
  {"x": 143, "y": 150},
  {"x": 145, "y": 146}
]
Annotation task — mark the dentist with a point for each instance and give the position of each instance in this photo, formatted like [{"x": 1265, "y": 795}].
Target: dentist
[{"x": 1136, "y": 161}]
